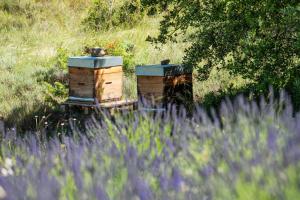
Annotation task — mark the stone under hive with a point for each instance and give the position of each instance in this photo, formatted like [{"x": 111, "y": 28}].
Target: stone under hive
[
  {"x": 160, "y": 85},
  {"x": 95, "y": 79}
]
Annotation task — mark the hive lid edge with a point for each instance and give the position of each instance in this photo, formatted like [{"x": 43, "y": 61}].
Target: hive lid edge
[
  {"x": 95, "y": 62},
  {"x": 162, "y": 70}
]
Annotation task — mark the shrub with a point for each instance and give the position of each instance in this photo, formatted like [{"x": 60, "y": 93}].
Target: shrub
[
  {"x": 9, "y": 21},
  {"x": 54, "y": 78},
  {"x": 16, "y": 7},
  {"x": 16, "y": 14},
  {"x": 55, "y": 93},
  {"x": 126, "y": 50},
  {"x": 294, "y": 90},
  {"x": 117, "y": 48},
  {"x": 61, "y": 59},
  {"x": 107, "y": 14}
]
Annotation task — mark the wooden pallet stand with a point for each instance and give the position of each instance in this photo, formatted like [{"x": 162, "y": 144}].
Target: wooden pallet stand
[
  {"x": 89, "y": 105},
  {"x": 160, "y": 85}
]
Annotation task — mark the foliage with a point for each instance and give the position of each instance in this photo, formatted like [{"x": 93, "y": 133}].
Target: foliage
[
  {"x": 15, "y": 14},
  {"x": 31, "y": 31},
  {"x": 54, "y": 78},
  {"x": 258, "y": 40},
  {"x": 107, "y": 14},
  {"x": 135, "y": 157},
  {"x": 124, "y": 49},
  {"x": 56, "y": 93},
  {"x": 117, "y": 48},
  {"x": 62, "y": 59},
  {"x": 16, "y": 7},
  {"x": 29, "y": 52},
  {"x": 294, "y": 90},
  {"x": 8, "y": 21}
]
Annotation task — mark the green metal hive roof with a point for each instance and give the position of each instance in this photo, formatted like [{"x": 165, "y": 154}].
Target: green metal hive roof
[
  {"x": 161, "y": 70},
  {"x": 95, "y": 62}
]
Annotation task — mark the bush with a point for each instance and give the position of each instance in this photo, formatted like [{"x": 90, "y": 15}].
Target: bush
[
  {"x": 16, "y": 7},
  {"x": 54, "y": 78},
  {"x": 294, "y": 90},
  {"x": 117, "y": 48},
  {"x": 55, "y": 93},
  {"x": 9, "y": 21},
  {"x": 126, "y": 50},
  {"x": 105, "y": 14},
  {"x": 16, "y": 14}
]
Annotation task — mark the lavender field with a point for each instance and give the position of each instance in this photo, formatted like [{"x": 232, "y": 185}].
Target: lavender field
[{"x": 246, "y": 151}]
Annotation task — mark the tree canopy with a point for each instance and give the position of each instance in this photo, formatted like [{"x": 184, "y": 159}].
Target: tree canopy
[{"x": 258, "y": 39}]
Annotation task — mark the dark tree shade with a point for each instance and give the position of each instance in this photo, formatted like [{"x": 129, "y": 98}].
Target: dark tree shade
[{"x": 258, "y": 39}]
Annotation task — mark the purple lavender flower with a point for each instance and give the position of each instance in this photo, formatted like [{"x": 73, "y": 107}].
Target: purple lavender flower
[
  {"x": 207, "y": 171},
  {"x": 142, "y": 189},
  {"x": 163, "y": 182},
  {"x": 176, "y": 180},
  {"x": 101, "y": 194},
  {"x": 272, "y": 138}
]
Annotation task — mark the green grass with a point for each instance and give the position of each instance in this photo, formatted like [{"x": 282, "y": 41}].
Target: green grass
[{"x": 31, "y": 34}]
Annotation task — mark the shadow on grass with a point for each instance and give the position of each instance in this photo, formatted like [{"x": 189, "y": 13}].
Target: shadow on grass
[{"x": 41, "y": 117}]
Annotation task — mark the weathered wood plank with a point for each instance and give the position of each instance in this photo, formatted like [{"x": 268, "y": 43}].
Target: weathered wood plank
[
  {"x": 81, "y": 71},
  {"x": 150, "y": 80},
  {"x": 120, "y": 103},
  {"x": 158, "y": 90},
  {"x": 151, "y": 88},
  {"x": 110, "y": 70},
  {"x": 81, "y": 82},
  {"x": 112, "y": 106},
  {"x": 108, "y": 85}
]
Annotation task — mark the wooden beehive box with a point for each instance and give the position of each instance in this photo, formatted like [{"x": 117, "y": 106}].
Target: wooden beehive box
[
  {"x": 160, "y": 85},
  {"x": 95, "y": 79}
]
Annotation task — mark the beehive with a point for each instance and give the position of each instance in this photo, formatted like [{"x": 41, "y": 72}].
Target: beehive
[
  {"x": 95, "y": 78},
  {"x": 160, "y": 85}
]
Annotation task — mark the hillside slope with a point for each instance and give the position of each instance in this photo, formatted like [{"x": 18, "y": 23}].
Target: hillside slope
[{"x": 38, "y": 36}]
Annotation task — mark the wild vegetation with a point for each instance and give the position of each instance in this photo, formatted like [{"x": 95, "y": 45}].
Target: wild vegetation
[
  {"x": 250, "y": 152},
  {"x": 37, "y": 37},
  {"x": 258, "y": 40},
  {"x": 228, "y": 147}
]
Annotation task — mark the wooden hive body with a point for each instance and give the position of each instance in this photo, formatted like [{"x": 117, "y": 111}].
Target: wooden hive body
[
  {"x": 160, "y": 85},
  {"x": 95, "y": 78}
]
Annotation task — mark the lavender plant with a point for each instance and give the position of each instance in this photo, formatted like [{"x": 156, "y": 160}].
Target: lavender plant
[{"x": 247, "y": 150}]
